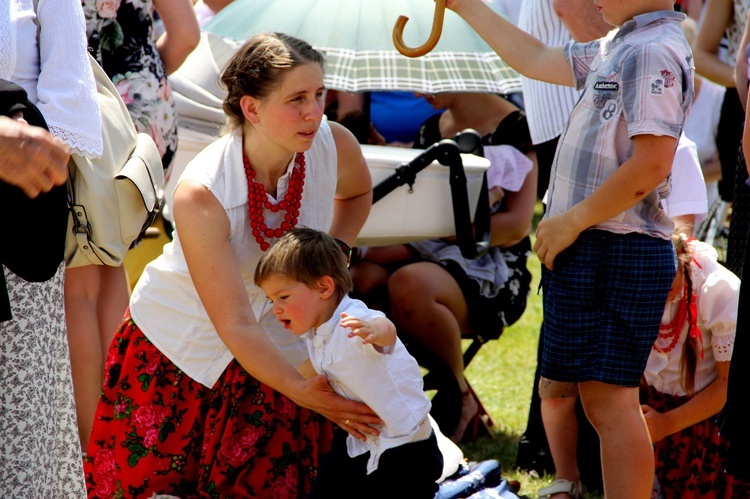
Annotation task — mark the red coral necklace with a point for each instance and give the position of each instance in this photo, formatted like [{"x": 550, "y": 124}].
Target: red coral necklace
[
  {"x": 257, "y": 201},
  {"x": 672, "y": 330}
]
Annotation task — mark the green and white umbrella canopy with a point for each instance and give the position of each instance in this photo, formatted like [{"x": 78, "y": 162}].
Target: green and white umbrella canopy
[{"x": 356, "y": 38}]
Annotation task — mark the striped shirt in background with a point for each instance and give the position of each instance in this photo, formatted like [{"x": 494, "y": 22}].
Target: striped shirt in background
[
  {"x": 637, "y": 80},
  {"x": 547, "y": 106}
]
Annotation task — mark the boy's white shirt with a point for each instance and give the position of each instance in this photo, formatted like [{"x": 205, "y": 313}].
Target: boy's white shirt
[{"x": 390, "y": 383}]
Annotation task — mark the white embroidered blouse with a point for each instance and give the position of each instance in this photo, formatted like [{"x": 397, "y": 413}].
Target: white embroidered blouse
[
  {"x": 56, "y": 74},
  {"x": 716, "y": 291}
]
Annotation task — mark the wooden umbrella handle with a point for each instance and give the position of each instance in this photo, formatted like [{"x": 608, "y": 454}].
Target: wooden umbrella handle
[{"x": 437, "y": 29}]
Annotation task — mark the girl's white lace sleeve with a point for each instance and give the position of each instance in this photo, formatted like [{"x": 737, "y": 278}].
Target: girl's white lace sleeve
[
  {"x": 723, "y": 346},
  {"x": 718, "y": 299}
]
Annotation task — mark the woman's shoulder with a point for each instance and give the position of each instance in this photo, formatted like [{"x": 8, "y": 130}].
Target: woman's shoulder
[
  {"x": 322, "y": 157},
  {"x": 712, "y": 88}
]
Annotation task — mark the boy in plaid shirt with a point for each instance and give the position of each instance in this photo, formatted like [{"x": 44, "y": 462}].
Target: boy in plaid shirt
[{"x": 604, "y": 232}]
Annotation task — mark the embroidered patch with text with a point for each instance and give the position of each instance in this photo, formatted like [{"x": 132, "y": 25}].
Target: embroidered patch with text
[{"x": 611, "y": 86}]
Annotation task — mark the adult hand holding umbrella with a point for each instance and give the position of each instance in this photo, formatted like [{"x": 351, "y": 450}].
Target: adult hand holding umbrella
[{"x": 437, "y": 29}]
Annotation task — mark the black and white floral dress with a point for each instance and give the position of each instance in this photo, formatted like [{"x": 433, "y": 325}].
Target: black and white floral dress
[
  {"x": 40, "y": 450},
  {"x": 122, "y": 38}
]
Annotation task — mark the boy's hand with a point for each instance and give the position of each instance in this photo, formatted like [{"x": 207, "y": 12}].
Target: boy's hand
[
  {"x": 379, "y": 332},
  {"x": 553, "y": 235},
  {"x": 360, "y": 328}
]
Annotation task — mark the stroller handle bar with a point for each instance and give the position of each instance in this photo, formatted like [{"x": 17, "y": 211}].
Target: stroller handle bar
[{"x": 473, "y": 241}]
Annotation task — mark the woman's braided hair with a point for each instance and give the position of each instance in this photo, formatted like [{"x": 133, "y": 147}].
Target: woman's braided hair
[{"x": 258, "y": 66}]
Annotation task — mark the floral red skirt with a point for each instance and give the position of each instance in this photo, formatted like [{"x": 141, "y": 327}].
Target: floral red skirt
[
  {"x": 158, "y": 431},
  {"x": 690, "y": 463}
]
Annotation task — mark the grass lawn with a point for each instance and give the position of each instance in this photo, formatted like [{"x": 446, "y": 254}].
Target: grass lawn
[{"x": 502, "y": 375}]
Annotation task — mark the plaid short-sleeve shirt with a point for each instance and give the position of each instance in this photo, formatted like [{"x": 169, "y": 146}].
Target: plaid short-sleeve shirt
[{"x": 636, "y": 80}]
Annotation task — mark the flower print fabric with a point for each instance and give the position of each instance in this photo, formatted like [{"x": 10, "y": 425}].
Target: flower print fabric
[
  {"x": 122, "y": 38},
  {"x": 238, "y": 439}
]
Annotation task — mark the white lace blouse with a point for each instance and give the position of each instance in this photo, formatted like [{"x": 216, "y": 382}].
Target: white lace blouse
[
  {"x": 716, "y": 290},
  {"x": 57, "y": 75}
]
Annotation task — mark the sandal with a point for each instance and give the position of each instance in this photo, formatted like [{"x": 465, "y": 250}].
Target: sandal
[
  {"x": 469, "y": 414},
  {"x": 562, "y": 486}
]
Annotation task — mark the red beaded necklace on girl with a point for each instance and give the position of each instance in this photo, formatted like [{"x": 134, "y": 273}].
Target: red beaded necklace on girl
[
  {"x": 257, "y": 201},
  {"x": 673, "y": 330}
]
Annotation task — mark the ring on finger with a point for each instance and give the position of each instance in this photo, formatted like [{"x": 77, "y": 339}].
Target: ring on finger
[{"x": 346, "y": 422}]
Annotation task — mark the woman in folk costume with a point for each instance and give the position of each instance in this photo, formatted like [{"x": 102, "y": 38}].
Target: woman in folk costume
[{"x": 201, "y": 395}]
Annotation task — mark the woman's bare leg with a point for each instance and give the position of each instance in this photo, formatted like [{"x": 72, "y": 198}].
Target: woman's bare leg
[
  {"x": 113, "y": 300},
  {"x": 95, "y": 299}
]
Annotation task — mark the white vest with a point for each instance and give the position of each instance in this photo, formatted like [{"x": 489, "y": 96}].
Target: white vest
[{"x": 165, "y": 304}]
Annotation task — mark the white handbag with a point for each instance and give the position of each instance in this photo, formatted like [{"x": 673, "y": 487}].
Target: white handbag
[{"x": 113, "y": 198}]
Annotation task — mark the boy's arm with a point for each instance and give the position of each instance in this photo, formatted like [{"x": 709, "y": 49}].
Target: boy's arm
[
  {"x": 520, "y": 50},
  {"x": 380, "y": 332},
  {"x": 650, "y": 163}
]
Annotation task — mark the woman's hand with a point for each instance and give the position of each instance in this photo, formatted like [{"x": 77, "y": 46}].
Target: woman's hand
[
  {"x": 496, "y": 194},
  {"x": 356, "y": 418}
]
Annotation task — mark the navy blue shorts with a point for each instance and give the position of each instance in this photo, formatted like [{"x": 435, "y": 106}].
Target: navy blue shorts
[{"x": 603, "y": 305}]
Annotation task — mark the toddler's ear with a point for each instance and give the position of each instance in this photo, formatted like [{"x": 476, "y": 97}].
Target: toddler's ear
[{"x": 326, "y": 287}]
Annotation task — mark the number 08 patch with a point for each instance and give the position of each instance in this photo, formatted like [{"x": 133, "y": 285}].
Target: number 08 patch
[{"x": 608, "y": 111}]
